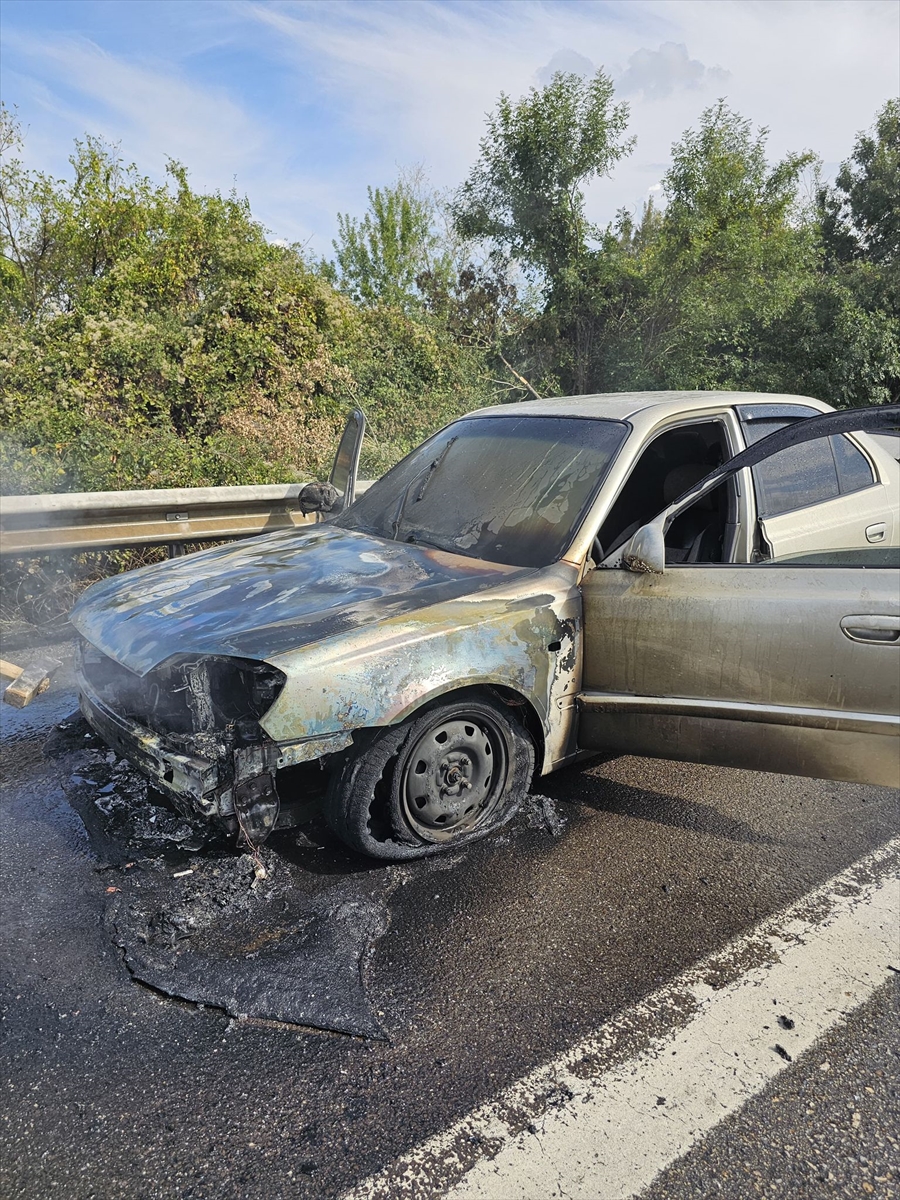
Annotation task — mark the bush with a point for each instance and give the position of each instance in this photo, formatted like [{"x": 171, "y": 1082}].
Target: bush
[{"x": 153, "y": 337}]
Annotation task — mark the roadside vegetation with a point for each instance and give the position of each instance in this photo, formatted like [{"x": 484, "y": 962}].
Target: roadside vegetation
[{"x": 153, "y": 336}]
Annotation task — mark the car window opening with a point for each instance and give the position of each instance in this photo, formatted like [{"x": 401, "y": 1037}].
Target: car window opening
[
  {"x": 804, "y": 475},
  {"x": 672, "y": 464}
]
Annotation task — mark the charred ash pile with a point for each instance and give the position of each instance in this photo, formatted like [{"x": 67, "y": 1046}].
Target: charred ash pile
[{"x": 195, "y": 920}]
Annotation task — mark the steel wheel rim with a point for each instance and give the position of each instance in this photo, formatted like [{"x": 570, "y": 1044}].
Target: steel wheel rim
[{"x": 454, "y": 777}]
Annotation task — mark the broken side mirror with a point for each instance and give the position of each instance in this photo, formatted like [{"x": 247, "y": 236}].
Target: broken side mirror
[
  {"x": 331, "y": 498},
  {"x": 645, "y": 554},
  {"x": 346, "y": 463},
  {"x": 318, "y": 498}
]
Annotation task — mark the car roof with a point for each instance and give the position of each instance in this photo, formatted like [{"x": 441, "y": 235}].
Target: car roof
[{"x": 621, "y": 406}]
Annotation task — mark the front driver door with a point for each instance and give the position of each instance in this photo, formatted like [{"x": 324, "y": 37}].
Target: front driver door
[{"x": 788, "y": 665}]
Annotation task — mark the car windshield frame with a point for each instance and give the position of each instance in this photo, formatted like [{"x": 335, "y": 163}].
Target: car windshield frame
[{"x": 537, "y": 518}]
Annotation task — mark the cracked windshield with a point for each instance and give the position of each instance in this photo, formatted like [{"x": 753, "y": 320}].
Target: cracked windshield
[{"x": 506, "y": 489}]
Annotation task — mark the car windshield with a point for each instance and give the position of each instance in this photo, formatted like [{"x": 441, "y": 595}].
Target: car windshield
[{"x": 506, "y": 489}]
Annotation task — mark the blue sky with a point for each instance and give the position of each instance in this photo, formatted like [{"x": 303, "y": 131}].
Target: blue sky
[{"x": 300, "y": 104}]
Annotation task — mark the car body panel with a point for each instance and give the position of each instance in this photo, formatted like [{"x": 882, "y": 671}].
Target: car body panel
[
  {"x": 267, "y": 595},
  {"x": 756, "y": 652},
  {"x": 870, "y": 516},
  {"x": 385, "y": 626},
  {"x": 523, "y": 635},
  {"x": 790, "y": 664}
]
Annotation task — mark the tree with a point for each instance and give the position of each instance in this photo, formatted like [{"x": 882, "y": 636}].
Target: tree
[
  {"x": 524, "y": 193},
  {"x": 733, "y": 226},
  {"x": 524, "y": 198},
  {"x": 153, "y": 336},
  {"x": 380, "y": 256},
  {"x": 861, "y": 214},
  {"x": 726, "y": 288},
  {"x": 56, "y": 239},
  {"x": 860, "y": 225},
  {"x": 732, "y": 250}
]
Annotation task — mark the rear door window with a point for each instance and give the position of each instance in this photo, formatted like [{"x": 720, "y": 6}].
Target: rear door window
[
  {"x": 803, "y": 475},
  {"x": 854, "y": 469}
]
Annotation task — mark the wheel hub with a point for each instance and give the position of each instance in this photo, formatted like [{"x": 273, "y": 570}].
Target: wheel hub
[
  {"x": 452, "y": 777},
  {"x": 454, "y": 773}
]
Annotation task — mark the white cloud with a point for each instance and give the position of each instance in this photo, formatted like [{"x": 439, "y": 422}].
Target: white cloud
[
  {"x": 414, "y": 79},
  {"x": 568, "y": 61},
  {"x": 659, "y": 73},
  {"x": 154, "y": 112}
]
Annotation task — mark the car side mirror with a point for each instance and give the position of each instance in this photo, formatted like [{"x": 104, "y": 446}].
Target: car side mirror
[
  {"x": 318, "y": 498},
  {"x": 645, "y": 554}
]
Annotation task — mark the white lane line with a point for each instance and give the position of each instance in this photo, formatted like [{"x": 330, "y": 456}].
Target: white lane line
[{"x": 606, "y": 1117}]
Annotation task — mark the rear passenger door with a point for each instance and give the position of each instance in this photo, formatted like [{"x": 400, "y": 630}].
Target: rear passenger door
[{"x": 821, "y": 495}]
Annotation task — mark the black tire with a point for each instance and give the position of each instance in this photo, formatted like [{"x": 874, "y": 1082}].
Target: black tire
[{"x": 446, "y": 777}]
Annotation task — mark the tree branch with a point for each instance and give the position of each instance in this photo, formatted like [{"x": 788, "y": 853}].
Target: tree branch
[{"x": 521, "y": 378}]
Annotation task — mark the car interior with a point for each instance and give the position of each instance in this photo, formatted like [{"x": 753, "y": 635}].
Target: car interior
[{"x": 674, "y": 462}]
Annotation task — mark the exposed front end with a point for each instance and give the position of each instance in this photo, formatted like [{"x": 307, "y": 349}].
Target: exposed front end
[{"x": 191, "y": 725}]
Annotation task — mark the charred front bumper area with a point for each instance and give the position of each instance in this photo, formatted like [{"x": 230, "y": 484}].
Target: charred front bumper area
[{"x": 191, "y": 726}]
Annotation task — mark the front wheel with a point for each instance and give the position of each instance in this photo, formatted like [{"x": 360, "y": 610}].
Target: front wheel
[{"x": 442, "y": 779}]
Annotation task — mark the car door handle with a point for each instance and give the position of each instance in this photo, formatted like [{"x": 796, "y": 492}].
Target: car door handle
[
  {"x": 875, "y": 533},
  {"x": 883, "y": 630}
]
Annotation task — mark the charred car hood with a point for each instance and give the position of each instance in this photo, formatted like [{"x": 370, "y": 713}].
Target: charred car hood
[{"x": 271, "y": 594}]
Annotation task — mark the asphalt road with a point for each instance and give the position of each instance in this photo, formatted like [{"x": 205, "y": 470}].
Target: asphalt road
[
  {"x": 829, "y": 1127},
  {"x": 478, "y": 968}
]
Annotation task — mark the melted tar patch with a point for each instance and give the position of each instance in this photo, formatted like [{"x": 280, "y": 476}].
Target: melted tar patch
[
  {"x": 291, "y": 947},
  {"x": 194, "y": 922}
]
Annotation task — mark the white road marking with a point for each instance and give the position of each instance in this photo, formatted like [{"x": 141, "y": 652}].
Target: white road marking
[{"x": 606, "y": 1117}]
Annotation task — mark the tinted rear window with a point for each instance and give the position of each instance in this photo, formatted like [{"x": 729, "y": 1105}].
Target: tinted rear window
[{"x": 808, "y": 474}]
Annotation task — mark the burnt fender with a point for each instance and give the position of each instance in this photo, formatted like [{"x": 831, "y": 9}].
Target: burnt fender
[{"x": 517, "y": 637}]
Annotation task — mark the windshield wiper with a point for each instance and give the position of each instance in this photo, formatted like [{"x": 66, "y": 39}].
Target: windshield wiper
[
  {"x": 413, "y": 539},
  {"x": 428, "y": 474}
]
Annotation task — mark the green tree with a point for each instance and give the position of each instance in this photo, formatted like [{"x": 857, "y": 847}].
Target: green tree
[
  {"x": 734, "y": 247},
  {"x": 726, "y": 288},
  {"x": 525, "y": 192},
  {"x": 55, "y": 240},
  {"x": 860, "y": 221},
  {"x": 380, "y": 255},
  {"x": 525, "y": 198},
  {"x": 152, "y": 336},
  {"x": 861, "y": 214}
]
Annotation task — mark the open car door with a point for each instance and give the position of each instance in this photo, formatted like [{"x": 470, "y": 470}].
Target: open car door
[
  {"x": 346, "y": 461},
  {"x": 787, "y": 662}
]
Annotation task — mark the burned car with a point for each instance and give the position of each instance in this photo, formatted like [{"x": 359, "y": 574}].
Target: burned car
[{"x": 707, "y": 576}]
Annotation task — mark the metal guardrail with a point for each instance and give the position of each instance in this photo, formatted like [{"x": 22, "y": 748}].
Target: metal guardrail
[{"x": 107, "y": 520}]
